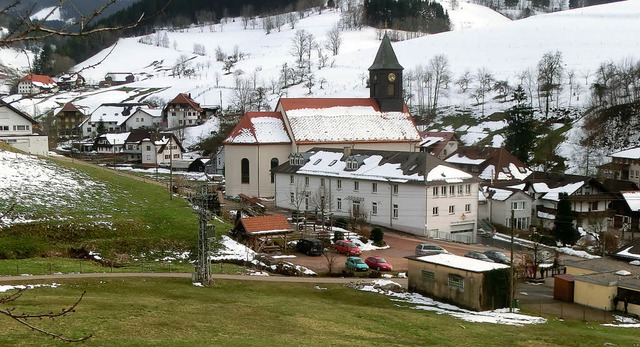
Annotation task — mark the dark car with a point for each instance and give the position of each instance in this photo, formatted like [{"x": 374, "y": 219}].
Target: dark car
[
  {"x": 497, "y": 257},
  {"x": 478, "y": 255},
  {"x": 310, "y": 246},
  {"x": 429, "y": 249}
]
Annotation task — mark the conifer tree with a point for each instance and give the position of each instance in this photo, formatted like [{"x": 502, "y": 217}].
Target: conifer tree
[
  {"x": 563, "y": 228},
  {"x": 521, "y": 127}
]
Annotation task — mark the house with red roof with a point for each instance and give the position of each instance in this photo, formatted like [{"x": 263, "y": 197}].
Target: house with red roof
[
  {"x": 35, "y": 84},
  {"x": 67, "y": 121},
  {"x": 259, "y": 231},
  {"x": 19, "y": 130},
  {"x": 489, "y": 163},
  {"x": 183, "y": 111},
  {"x": 263, "y": 140}
]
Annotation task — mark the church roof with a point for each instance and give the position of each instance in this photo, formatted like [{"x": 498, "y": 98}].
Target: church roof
[
  {"x": 259, "y": 127},
  {"x": 386, "y": 57},
  {"x": 335, "y": 120}
]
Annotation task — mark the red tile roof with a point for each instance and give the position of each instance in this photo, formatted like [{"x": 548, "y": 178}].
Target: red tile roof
[
  {"x": 185, "y": 99},
  {"x": 38, "y": 78},
  {"x": 266, "y": 224},
  {"x": 69, "y": 107},
  {"x": 245, "y": 132},
  {"x": 437, "y": 147}
]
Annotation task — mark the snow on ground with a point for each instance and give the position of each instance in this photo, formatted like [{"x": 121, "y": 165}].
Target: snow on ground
[
  {"x": 420, "y": 302},
  {"x": 529, "y": 244},
  {"x": 5, "y": 288},
  {"x": 624, "y": 322},
  {"x": 36, "y": 186}
]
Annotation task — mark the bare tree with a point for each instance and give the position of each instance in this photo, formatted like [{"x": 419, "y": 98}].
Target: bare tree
[
  {"x": 484, "y": 78},
  {"x": 550, "y": 73},
  {"x": 464, "y": 80},
  {"x": 247, "y": 14},
  {"x": 332, "y": 258},
  {"x": 23, "y": 318},
  {"x": 292, "y": 19},
  {"x": 439, "y": 66},
  {"x": 334, "y": 40}
]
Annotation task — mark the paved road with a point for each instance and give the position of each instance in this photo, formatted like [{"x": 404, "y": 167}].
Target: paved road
[{"x": 20, "y": 279}]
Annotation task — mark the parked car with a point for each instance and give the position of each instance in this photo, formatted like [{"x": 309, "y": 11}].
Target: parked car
[
  {"x": 356, "y": 264},
  {"x": 478, "y": 255},
  {"x": 497, "y": 257},
  {"x": 347, "y": 247},
  {"x": 429, "y": 249},
  {"x": 310, "y": 246},
  {"x": 378, "y": 263}
]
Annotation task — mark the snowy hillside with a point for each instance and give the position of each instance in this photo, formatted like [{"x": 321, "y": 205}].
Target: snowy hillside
[{"x": 481, "y": 38}]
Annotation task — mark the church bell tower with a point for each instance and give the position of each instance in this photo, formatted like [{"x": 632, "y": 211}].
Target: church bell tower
[{"x": 385, "y": 78}]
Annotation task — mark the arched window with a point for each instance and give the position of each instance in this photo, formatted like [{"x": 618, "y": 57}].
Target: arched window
[
  {"x": 274, "y": 163},
  {"x": 244, "y": 170}
]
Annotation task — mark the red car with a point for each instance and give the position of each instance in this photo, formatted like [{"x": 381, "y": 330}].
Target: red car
[
  {"x": 378, "y": 263},
  {"x": 346, "y": 247}
]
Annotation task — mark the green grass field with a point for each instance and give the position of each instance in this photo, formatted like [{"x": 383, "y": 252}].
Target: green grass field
[{"x": 172, "y": 312}]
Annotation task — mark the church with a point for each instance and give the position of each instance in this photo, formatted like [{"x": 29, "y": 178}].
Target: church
[{"x": 262, "y": 141}]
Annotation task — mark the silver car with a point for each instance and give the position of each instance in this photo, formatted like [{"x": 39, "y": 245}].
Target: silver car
[{"x": 429, "y": 249}]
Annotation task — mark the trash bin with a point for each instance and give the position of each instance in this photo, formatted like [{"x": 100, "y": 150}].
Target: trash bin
[{"x": 516, "y": 303}]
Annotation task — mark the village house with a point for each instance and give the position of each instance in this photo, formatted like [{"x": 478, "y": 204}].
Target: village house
[
  {"x": 501, "y": 201},
  {"x": 70, "y": 81},
  {"x": 471, "y": 283},
  {"x": 263, "y": 140},
  {"x": 19, "y": 130},
  {"x": 110, "y": 144},
  {"x": 67, "y": 121},
  {"x": 589, "y": 198},
  {"x": 183, "y": 111},
  {"x": 160, "y": 149},
  {"x": 624, "y": 165},
  {"x": 439, "y": 143},
  {"x": 489, "y": 163},
  {"x": 117, "y": 78},
  {"x": 32, "y": 84},
  {"x": 143, "y": 118},
  {"x": 413, "y": 192},
  {"x": 111, "y": 118}
]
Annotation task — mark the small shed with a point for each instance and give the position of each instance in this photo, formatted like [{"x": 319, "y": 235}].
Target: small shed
[
  {"x": 466, "y": 282},
  {"x": 259, "y": 232},
  {"x": 563, "y": 286}
]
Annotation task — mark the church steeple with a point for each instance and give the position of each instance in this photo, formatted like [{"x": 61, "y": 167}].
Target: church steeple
[{"x": 385, "y": 78}]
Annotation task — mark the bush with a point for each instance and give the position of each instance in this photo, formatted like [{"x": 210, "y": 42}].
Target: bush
[
  {"x": 377, "y": 236},
  {"x": 338, "y": 235}
]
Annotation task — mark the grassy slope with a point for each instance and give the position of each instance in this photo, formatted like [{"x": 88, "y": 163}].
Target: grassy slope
[
  {"x": 139, "y": 217},
  {"x": 172, "y": 312}
]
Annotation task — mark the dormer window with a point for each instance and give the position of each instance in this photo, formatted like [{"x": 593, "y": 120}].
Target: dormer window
[
  {"x": 333, "y": 162},
  {"x": 317, "y": 162}
]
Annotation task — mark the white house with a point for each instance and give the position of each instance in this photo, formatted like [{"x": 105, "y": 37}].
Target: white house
[
  {"x": 501, "y": 201},
  {"x": 110, "y": 143},
  {"x": 413, "y": 192},
  {"x": 143, "y": 117},
  {"x": 263, "y": 140},
  {"x": 110, "y": 118},
  {"x": 35, "y": 84},
  {"x": 17, "y": 130},
  {"x": 183, "y": 111},
  {"x": 160, "y": 149}
]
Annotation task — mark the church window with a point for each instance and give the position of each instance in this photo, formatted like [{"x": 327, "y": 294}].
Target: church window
[
  {"x": 244, "y": 170},
  {"x": 274, "y": 163}
]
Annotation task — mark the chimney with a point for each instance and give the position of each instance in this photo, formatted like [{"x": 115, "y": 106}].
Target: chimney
[{"x": 347, "y": 151}]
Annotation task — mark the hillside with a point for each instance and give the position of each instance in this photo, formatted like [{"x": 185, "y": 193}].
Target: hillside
[{"x": 482, "y": 39}]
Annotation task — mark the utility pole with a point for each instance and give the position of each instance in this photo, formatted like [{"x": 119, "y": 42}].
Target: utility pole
[
  {"x": 511, "y": 280},
  {"x": 201, "y": 202},
  {"x": 171, "y": 167}
]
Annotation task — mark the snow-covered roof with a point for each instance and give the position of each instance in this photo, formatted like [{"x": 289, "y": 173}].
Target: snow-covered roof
[
  {"x": 115, "y": 139},
  {"x": 554, "y": 193},
  {"x": 430, "y": 140},
  {"x": 501, "y": 194},
  {"x": 462, "y": 263},
  {"x": 631, "y": 153},
  {"x": 632, "y": 199},
  {"x": 153, "y": 112},
  {"x": 259, "y": 127},
  {"x": 115, "y": 113},
  {"x": 461, "y": 159},
  {"x": 331, "y": 120},
  {"x": 386, "y": 166}
]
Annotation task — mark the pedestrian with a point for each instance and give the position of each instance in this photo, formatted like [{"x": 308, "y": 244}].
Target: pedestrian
[
  {"x": 615, "y": 302},
  {"x": 626, "y": 305},
  {"x": 541, "y": 272}
]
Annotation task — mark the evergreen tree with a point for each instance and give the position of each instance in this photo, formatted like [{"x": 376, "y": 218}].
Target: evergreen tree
[
  {"x": 521, "y": 128},
  {"x": 44, "y": 61},
  {"x": 563, "y": 229}
]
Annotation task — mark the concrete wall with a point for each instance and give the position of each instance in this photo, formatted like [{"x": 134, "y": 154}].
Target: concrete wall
[
  {"x": 35, "y": 144},
  {"x": 259, "y": 168},
  {"x": 595, "y": 295}
]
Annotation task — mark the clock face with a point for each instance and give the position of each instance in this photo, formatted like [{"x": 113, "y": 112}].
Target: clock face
[{"x": 391, "y": 77}]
